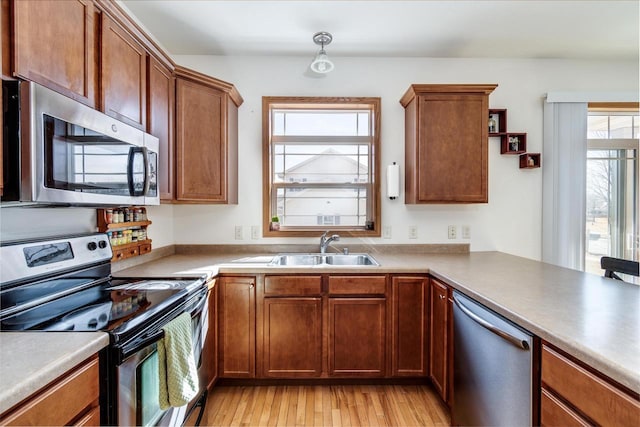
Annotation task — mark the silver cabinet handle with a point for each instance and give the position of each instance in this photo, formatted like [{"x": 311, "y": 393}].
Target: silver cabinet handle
[
  {"x": 513, "y": 340},
  {"x": 441, "y": 296}
]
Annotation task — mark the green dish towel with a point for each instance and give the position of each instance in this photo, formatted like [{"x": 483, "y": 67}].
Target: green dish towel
[{"x": 176, "y": 365}]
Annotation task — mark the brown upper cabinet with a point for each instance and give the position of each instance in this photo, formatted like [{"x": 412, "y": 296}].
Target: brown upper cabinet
[
  {"x": 160, "y": 122},
  {"x": 446, "y": 137},
  {"x": 123, "y": 75},
  {"x": 54, "y": 44},
  {"x": 206, "y": 139}
]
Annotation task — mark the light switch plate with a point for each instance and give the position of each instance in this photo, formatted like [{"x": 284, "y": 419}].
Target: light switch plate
[
  {"x": 255, "y": 232},
  {"x": 239, "y": 232},
  {"x": 386, "y": 232}
]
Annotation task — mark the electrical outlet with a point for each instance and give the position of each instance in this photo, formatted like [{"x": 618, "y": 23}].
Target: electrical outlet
[
  {"x": 255, "y": 232},
  {"x": 239, "y": 232},
  {"x": 466, "y": 232},
  {"x": 413, "y": 231},
  {"x": 386, "y": 232},
  {"x": 453, "y": 232}
]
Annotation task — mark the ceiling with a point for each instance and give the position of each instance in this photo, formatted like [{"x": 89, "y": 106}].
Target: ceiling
[{"x": 445, "y": 29}]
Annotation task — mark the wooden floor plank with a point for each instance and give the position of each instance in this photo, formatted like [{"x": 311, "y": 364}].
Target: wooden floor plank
[{"x": 330, "y": 405}]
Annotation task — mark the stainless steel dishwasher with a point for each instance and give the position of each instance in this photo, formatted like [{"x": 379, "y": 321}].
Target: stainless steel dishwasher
[{"x": 493, "y": 368}]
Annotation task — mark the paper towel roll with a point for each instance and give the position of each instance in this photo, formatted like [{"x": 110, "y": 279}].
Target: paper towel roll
[{"x": 393, "y": 181}]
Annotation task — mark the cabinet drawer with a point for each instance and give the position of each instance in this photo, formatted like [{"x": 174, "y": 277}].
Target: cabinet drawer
[
  {"x": 357, "y": 285},
  {"x": 62, "y": 402},
  {"x": 590, "y": 394},
  {"x": 144, "y": 248},
  {"x": 125, "y": 253},
  {"x": 91, "y": 418},
  {"x": 292, "y": 285},
  {"x": 555, "y": 413}
]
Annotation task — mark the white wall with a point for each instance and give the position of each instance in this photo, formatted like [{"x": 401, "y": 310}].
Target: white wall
[{"x": 510, "y": 222}]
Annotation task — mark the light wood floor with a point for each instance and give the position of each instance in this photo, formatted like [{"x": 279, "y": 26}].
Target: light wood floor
[{"x": 330, "y": 405}]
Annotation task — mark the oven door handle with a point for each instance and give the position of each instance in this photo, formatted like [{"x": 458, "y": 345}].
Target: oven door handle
[{"x": 137, "y": 345}]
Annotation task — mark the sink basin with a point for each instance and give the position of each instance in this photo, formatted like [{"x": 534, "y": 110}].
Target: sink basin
[
  {"x": 324, "y": 260},
  {"x": 351, "y": 259}
]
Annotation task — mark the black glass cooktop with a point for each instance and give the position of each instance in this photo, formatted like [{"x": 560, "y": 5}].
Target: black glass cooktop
[{"x": 103, "y": 307}]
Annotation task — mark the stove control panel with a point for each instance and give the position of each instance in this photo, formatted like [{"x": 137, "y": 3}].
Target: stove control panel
[{"x": 21, "y": 260}]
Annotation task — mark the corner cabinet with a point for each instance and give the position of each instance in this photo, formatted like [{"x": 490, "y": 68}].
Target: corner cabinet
[
  {"x": 446, "y": 143},
  {"x": 206, "y": 139}
]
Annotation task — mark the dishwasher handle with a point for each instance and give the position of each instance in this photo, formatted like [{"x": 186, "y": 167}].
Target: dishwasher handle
[{"x": 479, "y": 320}]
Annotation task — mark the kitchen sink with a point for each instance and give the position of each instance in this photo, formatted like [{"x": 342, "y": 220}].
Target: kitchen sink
[{"x": 324, "y": 260}]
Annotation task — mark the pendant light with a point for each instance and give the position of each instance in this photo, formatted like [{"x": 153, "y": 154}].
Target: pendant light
[{"x": 321, "y": 63}]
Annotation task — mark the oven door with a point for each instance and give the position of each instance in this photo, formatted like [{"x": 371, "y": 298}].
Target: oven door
[{"x": 137, "y": 376}]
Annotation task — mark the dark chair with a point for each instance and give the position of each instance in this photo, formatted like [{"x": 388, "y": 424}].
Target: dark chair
[{"x": 611, "y": 266}]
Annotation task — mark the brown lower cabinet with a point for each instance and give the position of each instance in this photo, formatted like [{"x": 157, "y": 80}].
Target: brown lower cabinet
[
  {"x": 237, "y": 327},
  {"x": 574, "y": 394},
  {"x": 292, "y": 337},
  {"x": 70, "y": 400},
  {"x": 440, "y": 337},
  {"x": 209, "y": 371},
  {"x": 410, "y": 330},
  {"x": 357, "y": 337}
]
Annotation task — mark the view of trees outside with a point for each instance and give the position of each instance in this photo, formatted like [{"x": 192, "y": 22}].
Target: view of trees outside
[{"x": 612, "y": 191}]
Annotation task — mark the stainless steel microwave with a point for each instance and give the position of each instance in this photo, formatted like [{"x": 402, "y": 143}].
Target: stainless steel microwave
[{"x": 57, "y": 151}]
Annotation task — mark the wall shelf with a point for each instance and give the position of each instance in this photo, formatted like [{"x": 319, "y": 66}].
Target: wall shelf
[
  {"x": 127, "y": 234},
  {"x": 529, "y": 160},
  {"x": 499, "y": 125},
  {"x": 511, "y": 143}
]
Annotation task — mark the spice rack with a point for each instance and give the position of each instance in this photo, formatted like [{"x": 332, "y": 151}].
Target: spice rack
[
  {"x": 511, "y": 142},
  {"x": 127, "y": 235}
]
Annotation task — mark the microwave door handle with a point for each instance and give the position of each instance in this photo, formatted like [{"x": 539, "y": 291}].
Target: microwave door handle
[
  {"x": 147, "y": 171},
  {"x": 133, "y": 152}
]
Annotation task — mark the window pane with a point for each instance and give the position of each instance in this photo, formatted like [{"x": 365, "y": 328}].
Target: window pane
[
  {"x": 341, "y": 123},
  {"x": 321, "y": 164},
  {"x": 322, "y": 206},
  {"x": 620, "y": 127},
  {"x": 611, "y": 226},
  {"x": 598, "y": 127},
  {"x": 278, "y": 124}
]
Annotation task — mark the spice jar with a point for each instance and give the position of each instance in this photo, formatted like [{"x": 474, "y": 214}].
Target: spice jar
[{"x": 109, "y": 216}]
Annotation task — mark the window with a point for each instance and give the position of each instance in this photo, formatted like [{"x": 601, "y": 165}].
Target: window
[
  {"x": 321, "y": 166},
  {"x": 612, "y": 186}
]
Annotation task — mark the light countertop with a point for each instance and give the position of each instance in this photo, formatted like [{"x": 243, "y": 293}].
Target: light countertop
[
  {"x": 31, "y": 360},
  {"x": 593, "y": 318}
]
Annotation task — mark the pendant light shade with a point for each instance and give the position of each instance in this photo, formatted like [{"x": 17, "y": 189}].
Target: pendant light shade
[{"x": 321, "y": 63}]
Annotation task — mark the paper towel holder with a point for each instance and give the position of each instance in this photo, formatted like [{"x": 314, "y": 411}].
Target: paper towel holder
[{"x": 393, "y": 181}]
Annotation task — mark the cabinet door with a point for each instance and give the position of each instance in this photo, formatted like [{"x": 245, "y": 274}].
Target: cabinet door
[
  {"x": 201, "y": 150},
  {"x": 54, "y": 45},
  {"x": 452, "y": 148},
  {"x": 357, "y": 337},
  {"x": 438, "y": 363},
  {"x": 292, "y": 337},
  {"x": 410, "y": 318},
  {"x": 209, "y": 372},
  {"x": 123, "y": 76},
  {"x": 160, "y": 123},
  {"x": 237, "y": 327}
]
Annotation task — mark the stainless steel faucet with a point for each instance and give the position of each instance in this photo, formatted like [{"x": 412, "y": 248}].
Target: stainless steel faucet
[{"x": 324, "y": 241}]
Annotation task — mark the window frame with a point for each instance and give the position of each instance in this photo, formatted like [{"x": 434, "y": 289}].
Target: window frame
[{"x": 282, "y": 102}]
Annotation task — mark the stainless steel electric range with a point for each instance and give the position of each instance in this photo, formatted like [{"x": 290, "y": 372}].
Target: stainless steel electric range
[{"x": 65, "y": 284}]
